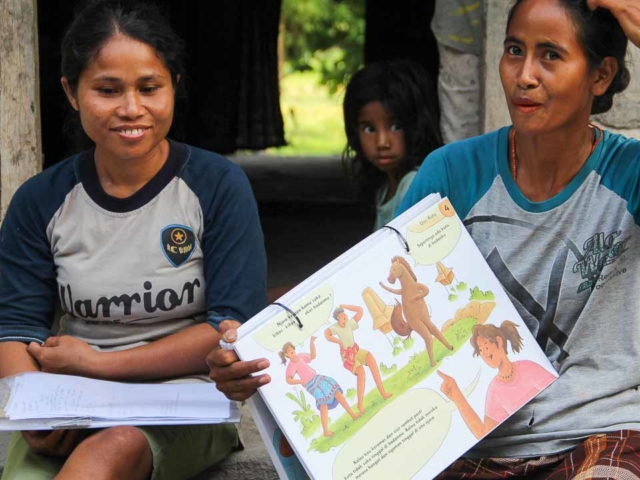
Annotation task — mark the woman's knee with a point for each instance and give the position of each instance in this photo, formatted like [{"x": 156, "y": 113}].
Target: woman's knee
[{"x": 127, "y": 444}]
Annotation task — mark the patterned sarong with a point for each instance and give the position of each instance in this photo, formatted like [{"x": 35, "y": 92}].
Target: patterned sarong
[
  {"x": 349, "y": 356},
  {"x": 615, "y": 455},
  {"x": 324, "y": 390}
]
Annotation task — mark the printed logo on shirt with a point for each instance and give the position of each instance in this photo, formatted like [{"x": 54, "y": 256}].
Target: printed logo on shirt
[
  {"x": 178, "y": 242},
  {"x": 103, "y": 308},
  {"x": 600, "y": 250}
]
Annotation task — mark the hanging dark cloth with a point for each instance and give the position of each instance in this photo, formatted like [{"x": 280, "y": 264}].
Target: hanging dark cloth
[
  {"x": 233, "y": 99},
  {"x": 53, "y": 20},
  {"x": 402, "y": 30},
  {"x": 232, "y": 82}
]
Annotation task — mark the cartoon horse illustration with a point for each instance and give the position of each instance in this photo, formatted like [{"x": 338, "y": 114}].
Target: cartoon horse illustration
[
  {"x": 398, "y": 323},
  {"x": 414, "y": 305}
]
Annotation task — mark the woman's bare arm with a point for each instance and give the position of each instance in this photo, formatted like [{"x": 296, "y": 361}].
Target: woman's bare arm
[
  {"x": 293, "y": 381},
  {"x": 180, "y": 354},
  {"x": 15, "y": 359}
]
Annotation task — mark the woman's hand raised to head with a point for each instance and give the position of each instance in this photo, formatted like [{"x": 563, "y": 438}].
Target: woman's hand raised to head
[
  {"x": 627, "y": 12},
  {"x": 234, "y": 378}
]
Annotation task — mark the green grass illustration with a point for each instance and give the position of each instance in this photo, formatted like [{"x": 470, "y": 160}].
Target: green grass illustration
[
  {"x": 386, "y": 371},
  {"x": 417, "y": 369},
  {"x": 408, "y": 342},
  {"x": 305, "y": 415},
  {"x": 477, "y": 294}
]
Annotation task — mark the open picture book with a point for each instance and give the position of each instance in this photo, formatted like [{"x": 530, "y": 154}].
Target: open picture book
[{"x": 374, "y": 357}]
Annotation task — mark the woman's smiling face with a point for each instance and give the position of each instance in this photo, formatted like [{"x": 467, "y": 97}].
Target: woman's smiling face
[
  {"x": 125, "y": 97},
  {"x": 491, "y": 353},
  {"x": 547, "y": 80}
]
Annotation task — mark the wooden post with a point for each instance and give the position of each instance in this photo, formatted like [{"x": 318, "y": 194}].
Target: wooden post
[
  {"x": 20, "y": 144},
  {"x": 495, "y": 110}
]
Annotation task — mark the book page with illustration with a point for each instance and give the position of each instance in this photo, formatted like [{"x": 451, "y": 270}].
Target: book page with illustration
[{"x": 403, "y": 359}]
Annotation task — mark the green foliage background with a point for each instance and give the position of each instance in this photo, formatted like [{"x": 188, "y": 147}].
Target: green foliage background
[
  {"x": 312, "y": 117},
  {"x": 322, "y": 45},
  {"x": 325, "y": 36}
]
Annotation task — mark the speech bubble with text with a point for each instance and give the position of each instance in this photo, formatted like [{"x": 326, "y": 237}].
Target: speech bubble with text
[
  {"x": 434, "y": 235},
  {"x": 313, "y": 310},
  {"x": 400, "y": 440}
]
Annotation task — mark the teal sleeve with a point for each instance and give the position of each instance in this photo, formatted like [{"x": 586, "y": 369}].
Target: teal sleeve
[
  {"x": 431, "y": 178},
  {"x": 619, "y": 168},
  {"x": 462, "y": 171}
]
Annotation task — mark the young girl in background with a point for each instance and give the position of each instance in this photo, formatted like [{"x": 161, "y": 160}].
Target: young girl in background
[{"x": 391, "y": 125}]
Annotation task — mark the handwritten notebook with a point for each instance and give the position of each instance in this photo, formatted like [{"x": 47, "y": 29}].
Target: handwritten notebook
[
  {"x": 42, "y": 401},
  {"x": 373, "y": 357}
]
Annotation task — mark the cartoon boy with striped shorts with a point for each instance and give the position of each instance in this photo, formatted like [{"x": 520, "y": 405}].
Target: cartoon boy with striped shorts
[{"x": 353, "y": 357}]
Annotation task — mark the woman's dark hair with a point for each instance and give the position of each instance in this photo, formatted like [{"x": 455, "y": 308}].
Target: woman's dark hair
[
  {"x": 601, "y": 36},
  {"x": 405, "y": 90},
  {"x": 99, "y": 21},
  {"x": 507, "y": 331},
  {"x": 283, "y": 353}
]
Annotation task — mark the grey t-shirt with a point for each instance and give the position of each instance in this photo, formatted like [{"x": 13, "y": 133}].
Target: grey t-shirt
[
  {"x": 185, "y": 249},
  {"x": 571, "y": 266}
]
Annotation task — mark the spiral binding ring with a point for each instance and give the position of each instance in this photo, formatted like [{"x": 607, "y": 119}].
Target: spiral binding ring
[
  {"x": 291, "y": 312},
  {"x": 404, "y": 240}
]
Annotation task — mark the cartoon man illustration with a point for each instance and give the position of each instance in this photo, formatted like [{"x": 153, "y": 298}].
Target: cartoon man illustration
[{"x": 354, "y": 358}]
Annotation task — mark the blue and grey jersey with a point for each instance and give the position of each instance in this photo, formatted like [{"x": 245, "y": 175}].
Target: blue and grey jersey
[
  {"x": 571, "y": 266},
  {"x": 184, "y": 249}
]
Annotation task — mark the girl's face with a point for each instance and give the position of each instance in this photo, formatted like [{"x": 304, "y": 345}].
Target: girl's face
[
  {"x": 491, "y": 353},
  {"x": 125, "y": 97},
  {"x": 381, "y": 137},
  {"x": 289, "y": 352},
  {"x": 547, "y": 81}
]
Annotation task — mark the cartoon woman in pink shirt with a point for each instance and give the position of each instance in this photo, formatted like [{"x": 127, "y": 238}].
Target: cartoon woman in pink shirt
[
  {"x": 325, "y": 390},
  {"x": 514, "y": 384}
]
